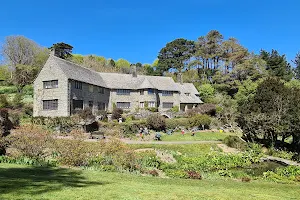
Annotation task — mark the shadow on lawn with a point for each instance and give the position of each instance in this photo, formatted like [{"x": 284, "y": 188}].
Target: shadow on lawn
[{"x": 38, "y": 180}]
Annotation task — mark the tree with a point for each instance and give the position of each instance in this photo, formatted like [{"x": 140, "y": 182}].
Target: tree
[
  {"x": 122, "y": 63},
  {"x": 277, "y": 65},
  {"x": 62, "y": 50},
  {"x": 19, "y": 50},
  {"x": 206, "y": 92},
  {"x": 175, "y": 55},
  {"x": 265, "y": 114},
  {"x": 111, "y": 63},
  {"x": 297, "y": 68},
  {"x": 25, "y": 57}
]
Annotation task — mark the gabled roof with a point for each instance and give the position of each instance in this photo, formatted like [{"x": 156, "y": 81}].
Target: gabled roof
[
  {"x": 188, "y": 89},
  {"x": 77, "y": 72},
  {"x": 127, "y": 81}
]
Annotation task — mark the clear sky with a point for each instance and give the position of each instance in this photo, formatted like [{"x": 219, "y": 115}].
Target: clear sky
[{"x": 137, "y": 29}]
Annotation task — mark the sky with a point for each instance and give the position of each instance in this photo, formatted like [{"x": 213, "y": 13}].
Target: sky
[{"x": 136, "y": 30}]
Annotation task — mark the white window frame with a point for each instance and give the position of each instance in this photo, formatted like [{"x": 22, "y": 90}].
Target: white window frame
[{"x": 123, "y": 105}]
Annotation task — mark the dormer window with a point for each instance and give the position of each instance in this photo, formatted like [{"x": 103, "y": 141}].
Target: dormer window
[
  {"x": 50, "y": 84},
  {"x": 187, "y": 94}
]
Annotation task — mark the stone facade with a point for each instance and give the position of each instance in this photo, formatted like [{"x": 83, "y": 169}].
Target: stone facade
[{"x": 79, "y": 88}]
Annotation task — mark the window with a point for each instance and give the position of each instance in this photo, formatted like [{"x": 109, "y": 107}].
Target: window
[
  {"x": 123, "y": 92},
  {"x": 151, "y": 104},
  {"x": 91, "y": 104},
  {"x": 187, "y": 94},
  {"x": 167, "y": 93},
  {"x": 78, "y": 85},
  {"x": 77, "y": 104},
  {"x": 91, "y": 88},
  {"x": 142, "y": 104},
  {"x": 150, "y": 91},
  {"x": 167, "y": 105},
  {"x": 50, "y": 104},
  {"x": 50, "y": 84},
  {"x": 123, "y": 105},
  {"x": 141, "y": 92},
  {"x": 101, "y": 106},
  {"x": 101, "y": 90}
]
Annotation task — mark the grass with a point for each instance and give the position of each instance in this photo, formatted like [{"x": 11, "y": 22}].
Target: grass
[
  {"x": 24, "y": 182},
  {"x": 188, "y": 149},
  {"x": 199, "y": 136}
]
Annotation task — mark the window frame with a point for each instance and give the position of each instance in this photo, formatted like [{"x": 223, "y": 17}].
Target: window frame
[
  {"x": 52, "y": 104},
  {"x": 151, "y": 104},
  {"x": 168, "y": 107},
  {"x": 52, "y": 84},
  {"x": 142, "y": 104},
  {"x": 123, "y": 92},
  {"x": 123, "y": 107},
  {"x": 78, "y": 85}
]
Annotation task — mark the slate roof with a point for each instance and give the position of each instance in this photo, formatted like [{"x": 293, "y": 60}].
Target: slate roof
[
  {"x": 77, "y": 72},
  {"x": 126, "y": 81},
  {"x": 193, "y": 93}
]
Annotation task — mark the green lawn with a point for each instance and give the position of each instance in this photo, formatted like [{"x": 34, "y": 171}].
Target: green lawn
[
  {"x": 24, "y": 182},
  {"x": 199, "y": 136},
  {"x": 188, "y": 149}
]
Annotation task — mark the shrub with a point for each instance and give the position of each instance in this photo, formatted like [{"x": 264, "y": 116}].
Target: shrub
[
  {"x": 31, "y": 142},
  {"x": 17, "y": 101},
  {"x": 246, "y": 179},
  {"x": 117, "y": 113},
  {"x": 28, "y": 90},
  {"x": 200, "y": 120},
  {"x": 153, "y": 172},
  {"x": 177, "y": 122},
  {"x": 5, "y": 123},
  {"x": 156, "y": 122},
  {"x": 234, "y": 142},
  {"x": 3, "y": 101},
  {"x": 8, "y": 89},
  {"x": 132, "y": 128},
  {"x": 175, "y": 109},
  {"x": 28, "y": 110},
  {"x": 152, "y": 109},
  {"x": 175, "y": 173},
  {"x": 86, "y": 114},
  {"x": 194, "y": 175},
  {"x": 14, "y": 117},
  {"x": 207, "y": 108}
]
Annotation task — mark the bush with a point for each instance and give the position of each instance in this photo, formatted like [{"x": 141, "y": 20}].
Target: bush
[
  {"x": 17, "y": 101},
  {"x": 86, "y": 114},
  {"x": 207, "y": 108},
  {"x": 131, "y": 128},
  {"x": 200, "y": 120},
  {"x": 156, "y": 122},
  {"x": 152, "y": 109},
  {"x": 175, "y": 109},
  {"x": 235, "y": 142},
  {"x": 8, "y": 89},
  {"x": 65, "y": 124},
  {"x": 31, "y": 141},
  {"x": 3, "y": 101},
  {"x": 177, "y": 122},
  {"x": 28, "y": 90},
  {"x": 117, "y": 113},
  {"x": 194, "y": 175}
]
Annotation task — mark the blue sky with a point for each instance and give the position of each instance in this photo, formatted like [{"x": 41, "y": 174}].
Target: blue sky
[{"x": 137, "y": 30}]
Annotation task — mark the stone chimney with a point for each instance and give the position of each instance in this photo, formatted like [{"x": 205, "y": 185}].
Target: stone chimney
[
  {"x": 133, "y": 71},
  {"x": 179, "y": 78}
]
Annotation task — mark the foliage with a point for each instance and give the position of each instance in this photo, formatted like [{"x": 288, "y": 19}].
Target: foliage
[
  {"x": 86, "y": 114},
  {"x": 194, "y": 175},
  {"x": 290, "y": 173},
  {"x": 174, "y": 54},
  {"x": 235, "y": 142},
  {"x": 17, "y": 101},
  {"x": 3, "y": 101},
  {"x": 277, "y": 64},
  {"x": 62, "y": 50},
  {"x": 31, "y": 142},
  {"x": 117, "y": 113},
  {"x": 280, "y": 153},
  {"x": 131, "y": 128},
  {"x": 297, "y": 68},
  {"x": 122, "y": 63},
  {"x": 8, "y": 89},
  {"x": 206, "y": 92},
  {"x": 177, "y": 122},
  {"x": 200, "y": 120},
  {"x": 207, "y": 108},
  {"x": 64, "y": 123},
  {"x": 175, "y": 109},
  {"x": 156, "y": 122}
]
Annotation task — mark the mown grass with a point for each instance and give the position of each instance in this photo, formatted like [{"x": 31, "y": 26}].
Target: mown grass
[
  {"x": 187, "y": 149},
  {"x": 24, "y": 182},
  {"x": 199, "y": 136}
]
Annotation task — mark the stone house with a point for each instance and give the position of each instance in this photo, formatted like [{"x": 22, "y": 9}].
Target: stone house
[{"x": 63, "y": 87}]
